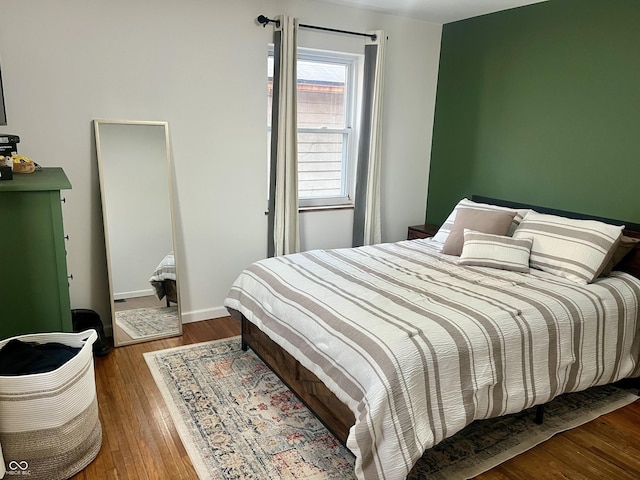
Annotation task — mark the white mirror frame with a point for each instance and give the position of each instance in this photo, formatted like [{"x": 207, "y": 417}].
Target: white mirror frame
[{"x": 103, "y": 195}]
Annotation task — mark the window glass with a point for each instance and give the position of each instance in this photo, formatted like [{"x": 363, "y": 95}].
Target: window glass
[{"x": 326, "y": 96}]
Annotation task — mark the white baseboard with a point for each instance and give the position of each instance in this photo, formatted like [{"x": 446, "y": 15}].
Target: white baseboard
[
  {"x": 134, "y": 294},
  {"x": 204, "y": 314}
]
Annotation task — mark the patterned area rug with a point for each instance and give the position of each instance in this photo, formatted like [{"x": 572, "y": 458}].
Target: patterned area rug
[
  {"x": 238, "y": 421},
  {"x": 149, "y": 322}
]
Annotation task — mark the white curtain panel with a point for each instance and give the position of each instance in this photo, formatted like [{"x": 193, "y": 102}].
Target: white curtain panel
[
  {"x": 372, "y": 227},
  {"x": 286, "y": 237},
  {"x": 366, "y": 227},
  {"x": 2, "y": 467}
]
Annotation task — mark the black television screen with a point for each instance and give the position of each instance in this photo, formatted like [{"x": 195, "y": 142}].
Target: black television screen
[{"x": 3, "y": 112}]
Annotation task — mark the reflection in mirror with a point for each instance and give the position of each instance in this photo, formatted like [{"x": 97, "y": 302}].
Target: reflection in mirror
[{"x": 137, "y": 209}]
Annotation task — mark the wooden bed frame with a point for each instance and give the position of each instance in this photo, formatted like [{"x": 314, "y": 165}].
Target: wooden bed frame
[
  {"x": 334, "y": 414},
  {"x": 171, "y": 291}
]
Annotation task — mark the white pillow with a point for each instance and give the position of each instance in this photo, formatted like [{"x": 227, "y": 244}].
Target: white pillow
[
  {"x": 495, "y": 251},
  {"x": 573, "y": 249},
  {"x": 445, "y": 229}
]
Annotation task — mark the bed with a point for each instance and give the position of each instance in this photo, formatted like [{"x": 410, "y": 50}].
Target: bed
[
  {"x": 398, "y": 346},
  {"x": 163, "y": 279}
]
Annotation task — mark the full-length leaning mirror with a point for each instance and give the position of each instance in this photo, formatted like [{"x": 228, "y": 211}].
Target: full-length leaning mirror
[{"x": 134, "y": 164}]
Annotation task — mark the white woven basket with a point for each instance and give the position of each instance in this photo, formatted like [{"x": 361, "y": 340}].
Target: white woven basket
[{"x": 49, "y": 425}]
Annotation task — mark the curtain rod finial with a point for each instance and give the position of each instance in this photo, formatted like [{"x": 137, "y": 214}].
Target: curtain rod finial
[{"x": 266, "y": 20}]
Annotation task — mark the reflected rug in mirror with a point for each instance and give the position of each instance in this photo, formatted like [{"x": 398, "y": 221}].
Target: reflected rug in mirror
[
  {"x": 237, "y": 420},
  {"x": 149, "y": 322}
]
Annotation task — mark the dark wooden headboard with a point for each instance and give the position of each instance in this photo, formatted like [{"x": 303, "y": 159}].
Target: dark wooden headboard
[{"x": 630, "y": 263}]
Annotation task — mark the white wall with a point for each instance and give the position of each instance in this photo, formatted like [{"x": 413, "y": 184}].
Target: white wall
[{"x": 201, "y": 66}]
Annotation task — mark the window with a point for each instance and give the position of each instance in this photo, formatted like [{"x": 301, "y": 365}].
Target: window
[{"x": 327, "y": 96}]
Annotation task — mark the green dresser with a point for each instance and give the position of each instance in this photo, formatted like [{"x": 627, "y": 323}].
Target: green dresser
[{"x": 34, "y": 288}]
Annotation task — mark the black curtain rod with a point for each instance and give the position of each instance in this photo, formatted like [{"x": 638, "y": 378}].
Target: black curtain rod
[{"x": 265, "y": 21}]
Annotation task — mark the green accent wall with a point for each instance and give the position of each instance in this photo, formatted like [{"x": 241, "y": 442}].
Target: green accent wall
[{"x": 541, "y": 105}]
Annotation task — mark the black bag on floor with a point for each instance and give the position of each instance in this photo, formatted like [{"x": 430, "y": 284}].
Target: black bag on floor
[{"x": 82, "y": 319}]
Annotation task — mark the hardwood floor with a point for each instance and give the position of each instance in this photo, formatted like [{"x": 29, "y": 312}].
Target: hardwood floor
[
  {"x": 147, "y": 301},
  {"x": 141, "y": 442}
]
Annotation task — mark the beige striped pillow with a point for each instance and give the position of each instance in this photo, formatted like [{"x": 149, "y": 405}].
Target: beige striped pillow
[
  {"x": 443, "y": 233},
  {"x": 574, "y": 249},
  {"x": 495, "y": 251}
]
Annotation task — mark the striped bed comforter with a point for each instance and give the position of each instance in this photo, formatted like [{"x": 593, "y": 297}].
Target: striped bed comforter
[
  {"x": 419, "y": 347},
  {"x": 166, "y": 269}
]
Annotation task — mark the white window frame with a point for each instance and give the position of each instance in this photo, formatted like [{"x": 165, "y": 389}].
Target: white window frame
[{"x": 354, "y": 65}]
